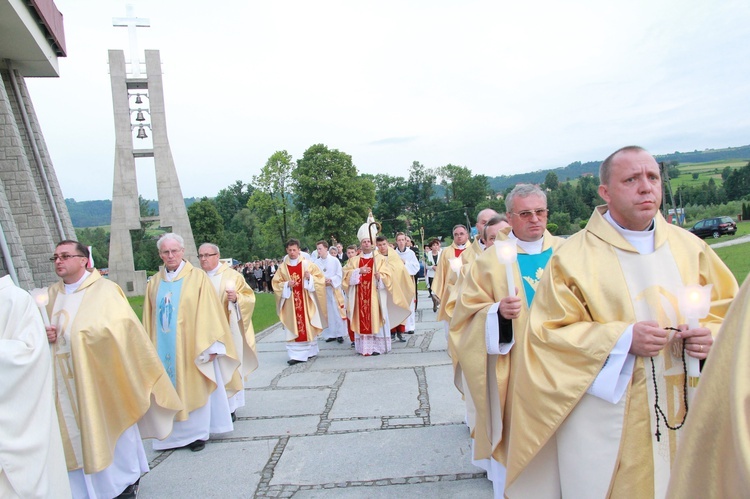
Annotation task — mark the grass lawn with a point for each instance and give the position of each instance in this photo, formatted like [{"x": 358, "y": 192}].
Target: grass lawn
[
  {"x": 736, "y": 258},
  {"x": 263, "y": 316}
]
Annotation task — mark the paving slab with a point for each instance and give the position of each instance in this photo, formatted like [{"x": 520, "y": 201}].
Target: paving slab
[
  {"x": 287, "y": 402},
  {"x": 270, "y": 365},
  {"x": 438, "y": 342},
  {"x": 271, "y": 427},
  {"x": 355, "y": 424},
  {"x": 446, "y": 404},
  {"x": 205, "y": 474},
  {"x": 476, "y": 488},
  {"x": 381, "y": 454},
  {"x": 377, "y": 393},
  {"x": 390, "y": 360},
  {"x": 309, "y": 379}
]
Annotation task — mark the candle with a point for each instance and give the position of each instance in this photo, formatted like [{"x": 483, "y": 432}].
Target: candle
[
  {"x": 456, "y": 265},
  {"x": 507, "y": 254},
  {"x": 42, "y": 299},
  {"x": 229, "y": 286},
  {"x": 694, "y": 302}
]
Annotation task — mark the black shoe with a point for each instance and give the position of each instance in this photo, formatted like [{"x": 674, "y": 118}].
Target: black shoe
[
  {"x": 197, "y": 446},
  {"x": 393, "y": 336},
  {"x": 400, "y": 338},
  {"x": 131, "y": 491},
  {"x": 340, "y": 340},
  {"x": 292, "y": 362},
  {"x": 352, "y": 344},
  {"x": 375, "y": 353},
  {"x": 410, "y": 332},
  {"x": 328, "y": 340},
  {"x": 234, "y": 417}
]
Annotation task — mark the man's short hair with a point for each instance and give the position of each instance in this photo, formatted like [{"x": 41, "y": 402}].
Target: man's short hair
[
  {"x": 292, "y": 242},
  {"x": 352, "y": 247},
  {"x": 400, "y": 234},
  {"x": 380, "y": 239},
  {"x": 459, "y": 226},
  {"x": 79, "y": 246},
  {"x": 522, "y": 191},
  {"x": 170, "y": 236},
  {"x": 213, "y": 248},
  {"x": 493, "y": 221},
  {"x": 324, "y": 243},
  {"x": 606, "y": 165}
]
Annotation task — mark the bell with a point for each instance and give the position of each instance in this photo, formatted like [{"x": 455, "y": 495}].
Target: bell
[
  {"x": 141, "y": 133},
  {"x": 139, "y": 116},
  {"x": 138, "y": 99}
]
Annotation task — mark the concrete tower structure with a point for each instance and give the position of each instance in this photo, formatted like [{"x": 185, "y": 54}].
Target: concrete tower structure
[
  {"x": 33, "y": 215},
  {"x": 133, "y": 97}
]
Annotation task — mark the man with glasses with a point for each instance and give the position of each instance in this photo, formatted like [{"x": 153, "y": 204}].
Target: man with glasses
[
  {"x": 491, "y": 319},
  {"x": 237, "y": 302},
  {"x": 111, "y": 390},
  {"x": 185, "y": 321},
  {"x": 609, "y": 381}
]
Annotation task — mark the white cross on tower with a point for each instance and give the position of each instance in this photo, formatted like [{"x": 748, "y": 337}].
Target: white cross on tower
[{"x": 132, "y": 22}]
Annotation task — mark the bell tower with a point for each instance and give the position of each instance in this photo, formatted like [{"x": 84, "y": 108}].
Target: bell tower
[{"x": 138, "y": 104}]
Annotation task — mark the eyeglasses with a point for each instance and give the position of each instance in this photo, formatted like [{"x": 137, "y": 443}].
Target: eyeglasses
[
  {"x": 171, "y": 252},
  {"x": 206, "y": 255},
  {"x": 527, "y": 214},
  {"x": 64, "y": 257}
]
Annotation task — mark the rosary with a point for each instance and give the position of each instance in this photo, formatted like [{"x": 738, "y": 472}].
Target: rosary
[{"x": 658, "y": 410}]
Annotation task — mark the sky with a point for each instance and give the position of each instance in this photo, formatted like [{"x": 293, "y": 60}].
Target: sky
[{"x": 496, "y": 86}]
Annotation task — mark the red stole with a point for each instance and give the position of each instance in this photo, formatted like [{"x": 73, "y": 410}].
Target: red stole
[
  {"x": 295, "y": 271},
  {"x": 364, "y": 295},
  {"x": 457, "y": 251}
]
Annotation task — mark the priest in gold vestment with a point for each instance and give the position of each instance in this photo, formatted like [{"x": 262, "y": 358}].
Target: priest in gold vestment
[
  {"x": 32, "y": 463},
  {"x": 713, "y": 459},
  {"x": 300, "y": 288},
  {"x": 111, "y": 389},
  {"x": 186, "y": 324},
  {"x": 237, "y": 302},
  {"x": 600, "y": 387},
  {"x": 445, "y": 277}
]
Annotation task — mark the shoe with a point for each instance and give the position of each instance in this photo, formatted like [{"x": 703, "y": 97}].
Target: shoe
[
  {"x": 400, "y": 338},
  {"x": 328, "y": 340},
  {"x": 131, "y": 491},
  {"x": 393, "y": 336},
  {"x": 234, "y": 417},
  {"x": 375, "y": 353},
  {"x": 197, "y": 446},
  {"x": 340, "y": 340},
  {"x": 292, "y": 362},
  {"x": 410, "y": 332},
  {"x": 435, "y": 303},
  {"x": 352, "y": 344}
]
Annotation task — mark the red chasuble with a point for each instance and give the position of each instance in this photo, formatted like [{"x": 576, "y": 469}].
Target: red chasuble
[
  {"x": 364, "y": 296},
  {"x": 295, "y": 271},
  {"x": 457, "y": 252}
]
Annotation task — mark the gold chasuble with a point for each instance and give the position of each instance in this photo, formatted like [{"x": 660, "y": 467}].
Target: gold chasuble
[
  {"x": 366, "y": 301},
  {"x": 467, "y": 258},
  {"x": 489, "y": 378},
  {"x": 445, "y": 278},
  {"x": 564, "y": 441},
  {"x": 239, "y": 316},
  {"x": 303, "y": 314},
  {"x": 713, "y": 459},
  {"x": 107, "y": 374},
  {"x": 200, "y": 322}
]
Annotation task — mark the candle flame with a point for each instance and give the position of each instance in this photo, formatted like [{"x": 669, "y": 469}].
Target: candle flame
[
  {"x": 40, "y": 296},
  {"x": 506, "y": 251},
  {"x": 230, "y": 286}
]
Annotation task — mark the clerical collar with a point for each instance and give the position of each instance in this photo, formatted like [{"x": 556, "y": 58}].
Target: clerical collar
[
  {"x": 292, "y": 262},
  {"x": 642, "y": 240},
  {"x": 171, "y": 274},
  {"x": 405, "y": 249},
  {"x": 530, "y": 247},
  {"x": 366, "y": 255},
  {"x": 481, "y": 244},
  {"x": 72, "y": 288},
  {"x": 213, "y": 272},
  {"x": 461, "y": 246}
]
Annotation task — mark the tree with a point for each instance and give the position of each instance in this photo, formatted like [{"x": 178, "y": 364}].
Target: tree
[
  {"x": 420, "y": 190},
  {"x": 462, "y": 186},
  {"x": 98, "y": 239},
  {"x": 145, "y": 254},
  {"x": 725, "y": 173},
  {"x": 207, "y": 225},
  {"x": 232, "y": 199},
  {"x": 331, "y": 195},
  {"x": 391, "y": 200},
  {"x": 274, "y": 198},
  {"x": 551, "y": 182},
  {"x": 738, "y": 183}
]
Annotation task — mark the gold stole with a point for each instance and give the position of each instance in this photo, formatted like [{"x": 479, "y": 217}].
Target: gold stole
[{"x": 63, "y": 314}]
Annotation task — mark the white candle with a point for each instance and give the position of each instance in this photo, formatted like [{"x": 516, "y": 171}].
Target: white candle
[
  {"x": 229, "y": 286},
  {"x": 456, "y": 265},
  {"x": 42, "y": 299},
  {"x": 507, "y": 254},
  {"x": 694, "y": 302}
]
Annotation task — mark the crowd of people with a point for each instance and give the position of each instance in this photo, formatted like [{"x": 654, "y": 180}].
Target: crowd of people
[{"x": 574, "y": 356}]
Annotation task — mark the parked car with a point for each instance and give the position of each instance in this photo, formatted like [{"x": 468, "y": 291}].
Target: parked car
[{"x": 714, "y": 227}]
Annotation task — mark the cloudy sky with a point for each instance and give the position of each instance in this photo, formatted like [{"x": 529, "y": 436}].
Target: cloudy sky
[{"x": 497, "y": 86}]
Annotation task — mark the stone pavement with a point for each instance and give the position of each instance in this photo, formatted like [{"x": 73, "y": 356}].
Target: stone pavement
[{"x": 338, "y": 426}]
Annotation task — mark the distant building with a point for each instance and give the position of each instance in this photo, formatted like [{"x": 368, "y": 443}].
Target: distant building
[{"x": 33, "y": 215}]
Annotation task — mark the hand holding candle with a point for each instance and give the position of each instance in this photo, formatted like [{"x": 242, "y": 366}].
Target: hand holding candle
[
  {"x": 42, "y": 299},
  {"x": 507, "y": 254},
  {"x": 694, "y": 302},
  {"x": 231, "y": 291},
  {"x": 456, "y": 265}
]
